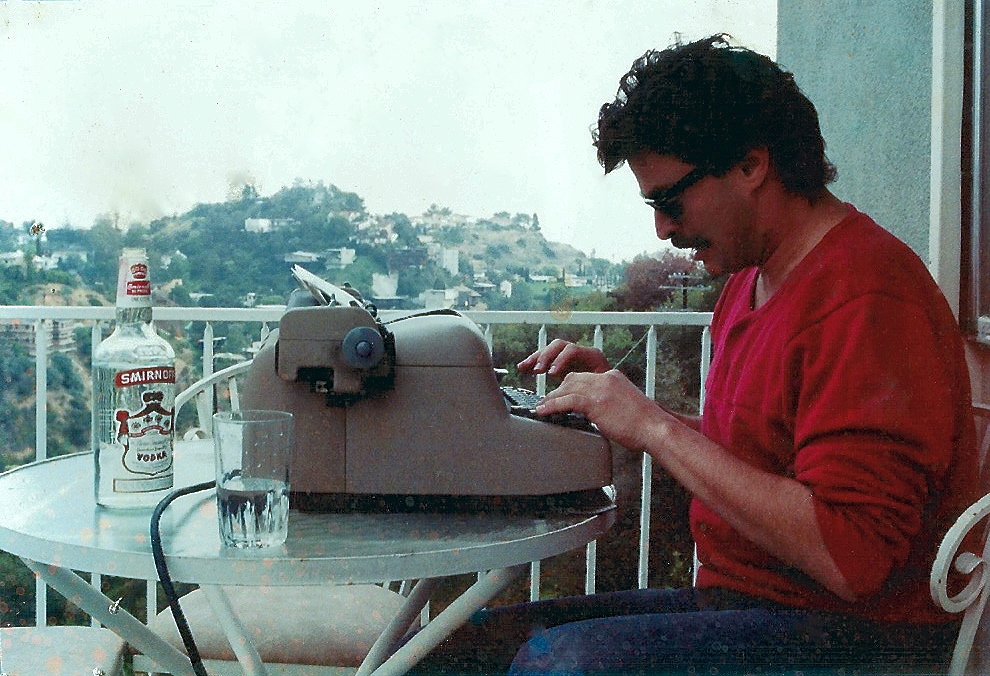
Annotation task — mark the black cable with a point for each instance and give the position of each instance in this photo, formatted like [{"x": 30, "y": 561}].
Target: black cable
[{"x": 163, "y": 576}]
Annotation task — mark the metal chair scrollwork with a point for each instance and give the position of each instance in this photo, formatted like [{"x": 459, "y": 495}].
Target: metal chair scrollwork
[{"x": 972, "y": 599}]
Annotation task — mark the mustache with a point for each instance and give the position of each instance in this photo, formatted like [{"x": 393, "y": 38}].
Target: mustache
[{"x": 689, "y": 242}]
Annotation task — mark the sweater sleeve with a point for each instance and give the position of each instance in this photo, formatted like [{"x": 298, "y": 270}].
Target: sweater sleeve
[{"x": 873, "y": 431}]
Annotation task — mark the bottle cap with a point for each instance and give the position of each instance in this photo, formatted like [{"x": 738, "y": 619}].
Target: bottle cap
[{"x": 133, "y": 281}]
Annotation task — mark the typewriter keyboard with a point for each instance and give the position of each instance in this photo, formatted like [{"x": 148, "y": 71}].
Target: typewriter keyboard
[{"x": 523, "y": 402}]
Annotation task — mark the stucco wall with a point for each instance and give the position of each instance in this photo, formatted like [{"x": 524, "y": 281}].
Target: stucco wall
[{"x": 867, "y": 67}]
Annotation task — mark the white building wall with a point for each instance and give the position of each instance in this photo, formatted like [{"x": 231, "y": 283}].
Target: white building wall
[{"x": 887, "y": 79}]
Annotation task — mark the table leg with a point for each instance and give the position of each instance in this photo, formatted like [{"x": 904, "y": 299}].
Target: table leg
[
  {"x": 122, "y": 623},
  {"x": 447, "y": 622},
  {"x": 397, "y": 627},
  {"x": 240, "y": 642}
]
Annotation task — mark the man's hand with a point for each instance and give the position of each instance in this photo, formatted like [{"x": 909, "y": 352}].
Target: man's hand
[
  {"x": 618, "y": 408},
  {"x": 561, "y": 357}
]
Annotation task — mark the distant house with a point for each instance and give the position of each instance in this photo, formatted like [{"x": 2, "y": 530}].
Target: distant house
[
  {"x": 266, "y": 224},
  {"x": 60, "y": 334},
  {"x": 44, "y": 262},
  {"x": 459, "y": 297},
  {"x": 301, "y": 257},
  {"x": 440, "y": 218},
  {"x": 573, "y": 281},
  {"x": 352, "y": 216},
  {"x": 10, "y": 259},
  {"x": 339, "y": 258},
  {"x": 480, "y": 269},
  {"x": 258, "y": 224},
  {"x": 449, "y": 260}
]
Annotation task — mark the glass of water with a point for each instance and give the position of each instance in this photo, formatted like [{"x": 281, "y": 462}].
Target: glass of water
[{"x": 253, "y": 450}]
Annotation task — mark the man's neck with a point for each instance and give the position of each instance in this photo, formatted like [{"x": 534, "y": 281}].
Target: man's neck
[{"x": 797, "y": 227}]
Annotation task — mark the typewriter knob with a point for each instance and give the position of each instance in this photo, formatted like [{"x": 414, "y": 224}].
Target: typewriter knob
[{"x": 363, "y": 347}]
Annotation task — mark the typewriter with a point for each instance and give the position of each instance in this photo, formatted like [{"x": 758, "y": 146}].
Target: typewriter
[{"x": 408, "y": 415}]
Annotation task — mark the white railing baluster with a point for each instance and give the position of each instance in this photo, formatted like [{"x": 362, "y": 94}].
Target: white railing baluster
[
  {"x": 541, "y": 390},
  {"x": 40, "y": 442},
  {"x": 650, "y": 387},
  {"x": 488, "y": 337},
  {"x": 207, "y": 350},
  {"x": 41, "y": 389},
  {"x": 204, "y": 404},
  {"x": 96, "y": 580},
  {"x": 541, "y": 379},
  {"x": 591, "y": 551},
  {"x": 534, "y": 581},
  {"x": 646, "y": 488},
  {"x": 706, "y": 358}
]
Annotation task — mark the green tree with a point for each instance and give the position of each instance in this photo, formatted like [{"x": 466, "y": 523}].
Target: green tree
[
  {"x": 137, "y": 236},
  {"x": 106, "y": 241},
  {"x": 648, "y": 283}
]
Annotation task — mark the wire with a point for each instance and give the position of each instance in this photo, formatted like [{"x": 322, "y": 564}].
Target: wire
[
  {"x": 635, "y": 345},
  {"x": 163, "y": 575}
]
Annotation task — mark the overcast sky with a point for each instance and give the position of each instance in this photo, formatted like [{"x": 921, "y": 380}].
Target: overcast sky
[{"x": 146, "y": 108}]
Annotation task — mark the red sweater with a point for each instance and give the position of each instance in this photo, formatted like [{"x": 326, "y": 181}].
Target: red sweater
[{"x": 851, "y": 379}]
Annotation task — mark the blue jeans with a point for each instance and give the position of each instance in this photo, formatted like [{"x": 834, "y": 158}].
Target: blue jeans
[{"x": 683, "y": 631}]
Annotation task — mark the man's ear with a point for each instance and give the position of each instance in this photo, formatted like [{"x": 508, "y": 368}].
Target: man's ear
[{"x": 755, "y": 166}]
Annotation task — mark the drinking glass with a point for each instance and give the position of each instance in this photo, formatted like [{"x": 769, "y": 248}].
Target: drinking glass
[{"x": 253, "y": 449}]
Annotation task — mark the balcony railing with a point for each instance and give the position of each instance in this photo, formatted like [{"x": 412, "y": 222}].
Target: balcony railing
[{"x": 549, "y": 323}]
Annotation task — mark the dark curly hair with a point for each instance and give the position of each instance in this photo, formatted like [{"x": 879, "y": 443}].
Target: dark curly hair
[{"x": 708, "y": 104}]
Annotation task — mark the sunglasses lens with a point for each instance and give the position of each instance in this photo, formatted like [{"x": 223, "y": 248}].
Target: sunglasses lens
[
  {"x": 668, "y": 202},
  {"x": 671, "y": 208}
]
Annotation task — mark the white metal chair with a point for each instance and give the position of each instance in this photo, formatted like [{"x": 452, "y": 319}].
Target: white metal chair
[
  {"x": 972, "y": 649},
  {"x": 297, "y": 631},
  {"x": 60, "y": 651},
  {"x": 313, "y": 630},
  {"x": 203, "y": 390}
]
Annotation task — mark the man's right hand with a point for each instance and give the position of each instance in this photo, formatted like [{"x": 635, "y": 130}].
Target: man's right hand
[{"x": 561, "y": 357}]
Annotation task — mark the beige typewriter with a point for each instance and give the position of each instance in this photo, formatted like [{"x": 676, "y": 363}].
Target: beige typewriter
[{"x": 408, "y": 415}]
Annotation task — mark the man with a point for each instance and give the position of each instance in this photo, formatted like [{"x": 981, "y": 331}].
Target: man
[{"x": 836, "y": 445}]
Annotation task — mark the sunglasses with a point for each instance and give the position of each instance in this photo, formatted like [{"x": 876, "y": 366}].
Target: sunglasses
[{"x": 668, "y": 201}]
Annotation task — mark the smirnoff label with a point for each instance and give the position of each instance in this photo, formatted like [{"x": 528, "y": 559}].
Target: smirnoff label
[
  {"x": 143, "y": 421},
  {"x": 145, "y": 376}
]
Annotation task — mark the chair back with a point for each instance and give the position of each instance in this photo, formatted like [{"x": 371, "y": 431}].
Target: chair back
[
  {"x": 972, "y": 648},
  {"x": 205, "y": 393}
]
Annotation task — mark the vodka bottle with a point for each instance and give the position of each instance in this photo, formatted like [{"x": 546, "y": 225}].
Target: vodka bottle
[{"x": 133, "y": 397}]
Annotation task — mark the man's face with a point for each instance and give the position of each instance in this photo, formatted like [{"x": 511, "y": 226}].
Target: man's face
[{"x": 708, "y": 214}]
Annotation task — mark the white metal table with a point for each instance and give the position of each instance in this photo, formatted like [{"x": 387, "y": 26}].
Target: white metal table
[{"x": 50, "y": 520}]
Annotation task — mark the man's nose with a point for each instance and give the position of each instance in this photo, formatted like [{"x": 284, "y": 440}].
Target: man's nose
[{"x": 664, "y": 224}]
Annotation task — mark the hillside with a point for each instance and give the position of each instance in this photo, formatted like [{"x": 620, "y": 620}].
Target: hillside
[
  {"x": 520, "y": 248},
  {"x": 225, "y": 252}
]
